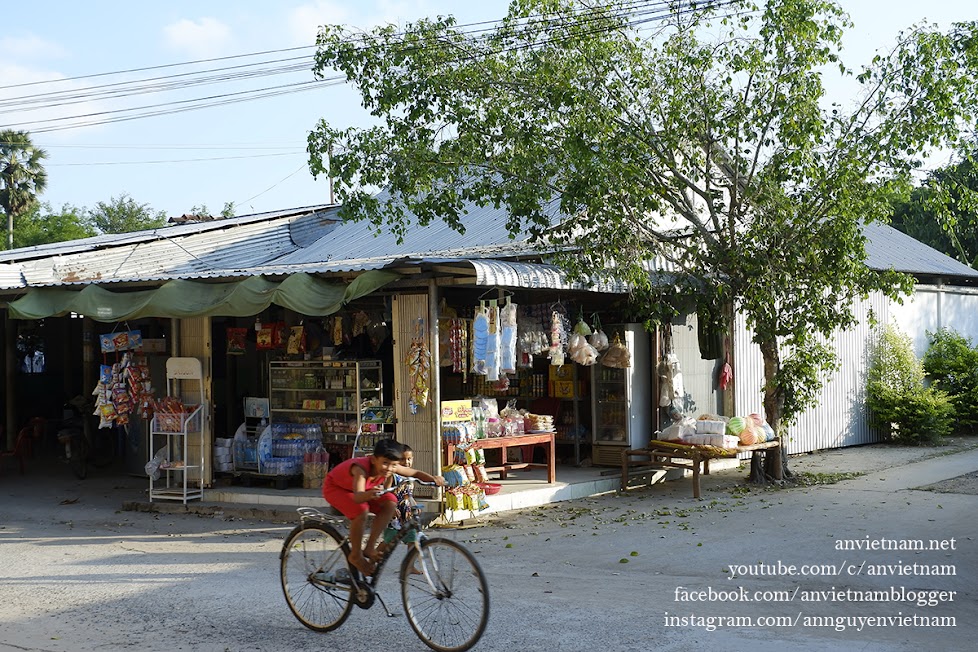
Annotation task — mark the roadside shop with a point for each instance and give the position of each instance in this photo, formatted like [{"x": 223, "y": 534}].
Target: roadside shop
[{"x": 314, "y": 346}]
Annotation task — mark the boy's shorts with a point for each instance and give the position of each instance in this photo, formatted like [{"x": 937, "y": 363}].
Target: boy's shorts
[{"x": 342, "y": 500}]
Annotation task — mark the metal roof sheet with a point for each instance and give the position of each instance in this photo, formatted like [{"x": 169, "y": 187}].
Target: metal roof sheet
[
  {"x": 111, "y": 240},
  {"x": 889, "y": 248},
  {"x": 314, "y": 240},
  {"x": 534, "y": 275},
  {"x": 484, "y": 228}
]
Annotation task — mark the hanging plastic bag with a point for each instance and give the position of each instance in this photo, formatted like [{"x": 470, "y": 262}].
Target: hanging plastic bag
[
  {"x": 726, "y": 374},
  {"x": 418, "y": 361},
  {"x": 556, "y": 339},
  {"x": 507, "y": 343},
  {"x": 665, "y": 383},
  {"x": 581, "y": 328},
  {"x": 480, "y": 340},
  {"x": 493, "y": 342},
  {"x": 676, "y": 374},
  {"x": 617, "y": 356},
  {"x": 580, "y": 351},
  {"x": 597, "y": 338},
  {"x": 153, "y": 466}
]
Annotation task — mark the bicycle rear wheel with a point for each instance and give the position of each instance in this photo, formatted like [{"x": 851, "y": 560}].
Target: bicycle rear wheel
[
  {"x": 316, "y": 577},
  {"x": 78, "y": 456},
  {"x": 450, "y": 613}
]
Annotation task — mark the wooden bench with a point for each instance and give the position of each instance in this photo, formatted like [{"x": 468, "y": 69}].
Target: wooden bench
[{"x": 681, "y": 456}]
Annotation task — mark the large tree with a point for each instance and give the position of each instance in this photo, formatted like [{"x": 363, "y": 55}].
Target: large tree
[
  {"x": 41, "y": 224},
  {"x": 123, "y": 214},
  {"x": 943, "y": 211},
  {"x": 700, "y": 134},
  {"x": 22, "y": 176}
]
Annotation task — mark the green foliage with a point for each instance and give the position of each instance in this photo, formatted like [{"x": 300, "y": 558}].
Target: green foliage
[
  {"x": 943, "y": 211},
  {"x": 703, "y": 143},
  {"x": 907, "y": 411},
  {"x": 951, "y": 361},
  {"x": 22, "y": 176},
  {"x": 123, "y": 214},
  {"x": 42, "y": 225}
]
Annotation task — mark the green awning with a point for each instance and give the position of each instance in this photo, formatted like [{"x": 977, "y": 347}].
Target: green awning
[{"x": 303, "y": 293}]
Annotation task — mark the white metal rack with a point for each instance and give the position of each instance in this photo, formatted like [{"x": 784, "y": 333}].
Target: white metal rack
[{"x": 181, "y": 436}]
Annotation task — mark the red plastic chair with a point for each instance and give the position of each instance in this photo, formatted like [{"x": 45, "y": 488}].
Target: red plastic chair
[{"x": 21, "y": 450}]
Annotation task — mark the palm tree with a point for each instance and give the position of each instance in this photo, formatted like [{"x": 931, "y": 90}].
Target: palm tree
[{"x": 22, "y": 177}]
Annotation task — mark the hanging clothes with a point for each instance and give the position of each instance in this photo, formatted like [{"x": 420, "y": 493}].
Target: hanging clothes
[{"x": 709, "y": 331}]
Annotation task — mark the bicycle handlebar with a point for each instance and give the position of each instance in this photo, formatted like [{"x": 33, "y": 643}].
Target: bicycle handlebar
[{"x": 407, "y": 480}]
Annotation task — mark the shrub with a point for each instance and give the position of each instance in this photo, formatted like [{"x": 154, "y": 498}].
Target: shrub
[
  {"x": 900, "y": 405},
  {"x": 952, "y": 363}
]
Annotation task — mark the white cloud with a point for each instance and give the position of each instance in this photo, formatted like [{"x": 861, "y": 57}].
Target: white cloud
[
  {"x": 303, "y": 22},
  {"x": 202, "y": 38},
  {"x": 29, "y": 47},
  {"x": 22, "y": 112}
]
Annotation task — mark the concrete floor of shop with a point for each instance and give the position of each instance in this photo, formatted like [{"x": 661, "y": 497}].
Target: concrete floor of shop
[{"x": 521, "y": 489}]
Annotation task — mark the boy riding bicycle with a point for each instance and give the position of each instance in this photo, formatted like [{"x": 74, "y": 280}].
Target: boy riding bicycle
[{"x": 355, "y": 486}]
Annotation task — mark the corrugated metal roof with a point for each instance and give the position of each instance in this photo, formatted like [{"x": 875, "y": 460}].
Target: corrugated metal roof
[
  {"x": 128, "y": 239},
  {"x": 888, "y": 248},
  {"x": 534, "y": 275},
  {"x": 310, "y": 240},
  {"x": 484, "y": 228},
  {"x": 313, "y": 240}
]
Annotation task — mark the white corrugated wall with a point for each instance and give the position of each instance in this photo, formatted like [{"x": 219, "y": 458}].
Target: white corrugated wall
[
  {"x": 839, "y": 417},
  {"x": 933, "y": 307}
]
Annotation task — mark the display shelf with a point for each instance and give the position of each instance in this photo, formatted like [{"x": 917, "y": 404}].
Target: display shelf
[
  {"x": 331, "y": 394},
  {"x": 180, "y": 435}
]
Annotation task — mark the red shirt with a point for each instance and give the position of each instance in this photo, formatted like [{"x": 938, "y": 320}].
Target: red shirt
[{"x": 341, "y": 476}]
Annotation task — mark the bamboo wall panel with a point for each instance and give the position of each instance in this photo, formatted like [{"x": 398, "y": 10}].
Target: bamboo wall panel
[
  {"x": 420, "y": 431},
  {"x": 195, "y": 342}
]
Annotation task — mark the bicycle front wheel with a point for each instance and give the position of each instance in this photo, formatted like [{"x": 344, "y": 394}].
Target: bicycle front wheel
[
  {"x": 446, "y": 595},
  {"x": 316, "y": 577}
]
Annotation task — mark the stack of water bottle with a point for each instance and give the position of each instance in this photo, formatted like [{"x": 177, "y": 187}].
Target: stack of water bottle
[{"x": 290, "y": 443}]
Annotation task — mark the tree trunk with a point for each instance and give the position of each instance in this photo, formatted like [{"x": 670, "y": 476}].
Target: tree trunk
[{"x": 771, "y": 465}]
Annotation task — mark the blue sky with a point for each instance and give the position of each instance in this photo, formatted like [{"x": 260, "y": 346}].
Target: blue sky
[{"x": 250, "y": 153}]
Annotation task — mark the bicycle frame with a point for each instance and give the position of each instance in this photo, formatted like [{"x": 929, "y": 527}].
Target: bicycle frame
[{"x": 408, "y": 512}]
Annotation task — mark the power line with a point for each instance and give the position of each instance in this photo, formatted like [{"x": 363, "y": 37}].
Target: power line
[
  {"x": 184, "y": 160},
  {"x": 172, "y": 146},
  {"x": 461, "y": 28},
  {"x": 653, "y": 10},
  {"x": 158, "y": 67},
  {"x": 277, "y": 183},
  {"x": 181, "y": 106},
  {"x": 637, "y": 13}
]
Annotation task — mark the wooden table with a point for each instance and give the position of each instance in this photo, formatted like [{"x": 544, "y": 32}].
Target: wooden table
[
  {"x": 666, "y": 454},
  {"x": 503, "y": 443}
]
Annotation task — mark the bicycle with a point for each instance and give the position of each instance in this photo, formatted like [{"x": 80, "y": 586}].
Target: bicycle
[
  {"x": 77, "y": 450},
  {"x": 80, "y": 453},
  {"x": 443, "y": 588}
]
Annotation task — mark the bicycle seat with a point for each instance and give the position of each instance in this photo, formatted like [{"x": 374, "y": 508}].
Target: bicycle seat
[{"x": 312, "y": 513}]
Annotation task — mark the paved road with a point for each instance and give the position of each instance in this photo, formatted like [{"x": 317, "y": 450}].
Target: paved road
[{"x": 608, "y": 573}]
